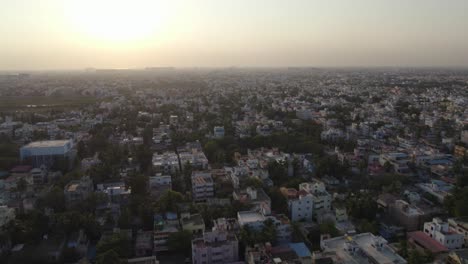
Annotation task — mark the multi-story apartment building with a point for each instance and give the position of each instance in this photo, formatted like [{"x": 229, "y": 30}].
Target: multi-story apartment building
[
  {"x": 166, "y": 163},
  {"x": 322, "y": 199},
  {"x": 202, "y": 186},
  {"x": 300, "y": 203},
  {"x": 217, "y": 246}
]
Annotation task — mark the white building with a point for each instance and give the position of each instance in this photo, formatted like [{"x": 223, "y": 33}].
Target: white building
[
  {"x": 362, "y": 248},
  {"x": 398, "y": 161},
  {"x": 202, "y": 186},
  {"x": 322, "y": 199},
  {"x": 218, "y": 132},
  {"x": 217, "y": 246},
  {"x": 439, "y": 231},
  {"x": 256, "y": 221},
  {"x": 300, "y": 203}
]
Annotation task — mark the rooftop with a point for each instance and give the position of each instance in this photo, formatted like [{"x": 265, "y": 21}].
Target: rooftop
[
  {"x": 250, "y": 216},
  {"x": 427, "y": 242},
  {"x": 48, "y": 143}
]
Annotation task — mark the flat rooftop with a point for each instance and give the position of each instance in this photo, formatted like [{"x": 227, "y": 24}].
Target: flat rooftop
[
  {"x": 367, "y": 250},
  {"x": 47, "y": 143},
  {"x": 250, "y": 216}
]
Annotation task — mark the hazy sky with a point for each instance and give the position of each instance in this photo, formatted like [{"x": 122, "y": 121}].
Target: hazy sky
[{"x": 67, "y": 34}]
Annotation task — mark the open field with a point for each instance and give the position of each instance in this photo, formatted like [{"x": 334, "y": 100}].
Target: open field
[{"x": 36, "y": 103}]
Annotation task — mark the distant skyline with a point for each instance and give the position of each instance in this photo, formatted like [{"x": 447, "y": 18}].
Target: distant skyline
[{"x": 69, "y": 34}]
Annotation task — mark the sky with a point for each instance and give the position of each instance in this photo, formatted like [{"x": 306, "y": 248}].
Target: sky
[{"x": 75, "y": 34}]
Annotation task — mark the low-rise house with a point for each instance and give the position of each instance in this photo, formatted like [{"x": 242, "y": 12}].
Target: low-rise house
[
  {"x": 166, "y": 163},
  {"x": 144, "y": 243},
  {"x": 423, "y": 242},
  {"x": 440, "y": 231},
  {"x": 459, "y": 256},
  {"x": 159, "y": 184},
  {"x": 117, "y": 192},
  {"x": 164, "y": 226},
  {"x": 256, "y": 221},
  {"x": 460, "y": 226},
  {"x": 193, "y": 223},
  {"x": 283, "y": 254},
  {"x": 361, "y": 248},
  {"x": 255, "y": 197},
  {"x": 217, "y": 246},
  {"x": 78, "y": 190},
  {"x": 397, "y": 160},
  {"x": 407, "y": 215}
]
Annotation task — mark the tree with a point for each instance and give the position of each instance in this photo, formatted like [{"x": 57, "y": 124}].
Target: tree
[
  {"x": 21, "y": 185},
  {"x": 328, "y": 227},
  {"x": 168, "y": 201},
  {"x": 415, "y": 257},
  {"x": 108, "y": 257},
  {"x": 268, "y": 233},
  {"x": 180, "y": 242},
  {"x": 124, "y": 221},
  {"x": 119, "y": 243}
]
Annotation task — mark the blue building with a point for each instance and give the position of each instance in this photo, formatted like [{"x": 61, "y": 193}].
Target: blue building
[{"x": 47, "y": 152}]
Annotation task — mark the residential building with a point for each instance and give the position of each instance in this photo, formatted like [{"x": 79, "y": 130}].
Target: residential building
[
  {"x": 217, "y": 246},
  {"x": 439, "y": 231},
  {"x": 255, "y": 197},
  {"x": 6, "y": 215},
  {"x": 406, "y": 215},
  {"x": 322, "y": 199},
  {"x": 193, "y": 223},
  {"x": 202, "y": 186},
  {"x": 423, "y": 242},
  {"x": 459, "y": 256},
  {"x": 166, "y": 163},
  {"x": 78, "y": 190},
  {"x": 300, "y": 203},
  {"x": 399, "y": 161},
  {"x": 361, "y": 248},
  {"x": 144, "y": 243},
  {"x": 117, "y": 192},
  {"x": 164, "y": 226},
  {"x": 159, "y": 184},
  {"x": 218, "y": 132},
  {"x": 460, "y": 226}
]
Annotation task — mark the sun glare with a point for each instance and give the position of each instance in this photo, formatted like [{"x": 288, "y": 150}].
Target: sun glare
[{"x": 120, "y": 21}]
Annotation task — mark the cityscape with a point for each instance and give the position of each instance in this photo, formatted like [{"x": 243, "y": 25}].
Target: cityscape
[{"x": 238, "y": 162}]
